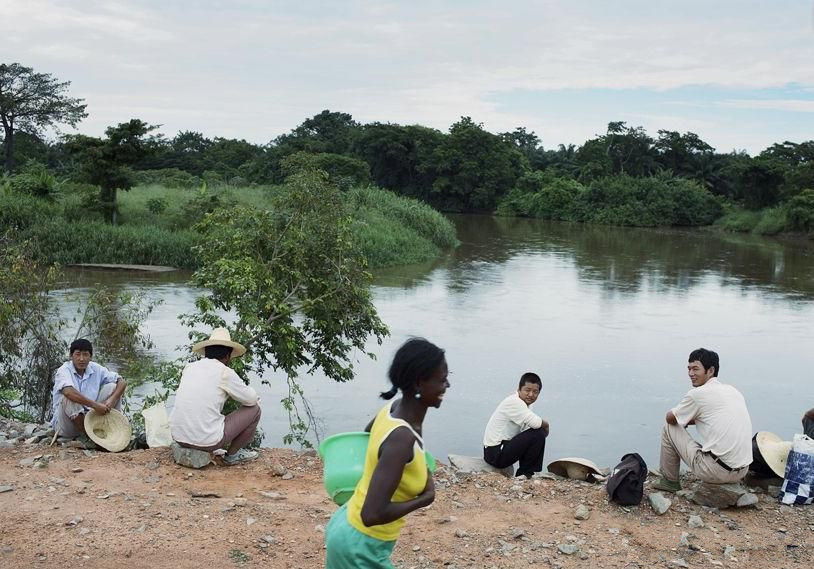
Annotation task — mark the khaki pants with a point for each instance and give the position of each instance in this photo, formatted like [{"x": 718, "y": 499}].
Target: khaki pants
[
  {"x": 678, "y": 445},
  {"x": 68, "y": 410}
]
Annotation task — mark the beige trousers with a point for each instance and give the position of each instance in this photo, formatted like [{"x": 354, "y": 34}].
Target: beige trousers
[
  {"x": 678, "y": 445},
  {"x": 69, "y": 410}
]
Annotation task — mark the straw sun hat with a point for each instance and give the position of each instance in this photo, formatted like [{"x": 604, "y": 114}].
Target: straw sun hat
[
  {"x": 110, "y": 431},
  {"x": 774, "y": 450},
  {"x": 576, "y": 468},
  {"x": 220, "y": 337}
]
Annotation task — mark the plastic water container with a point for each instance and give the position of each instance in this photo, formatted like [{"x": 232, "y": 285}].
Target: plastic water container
[{"x": 343, "y": 459}]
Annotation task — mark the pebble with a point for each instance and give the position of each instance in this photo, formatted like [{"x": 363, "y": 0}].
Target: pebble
[
  {"x": 73, "y": 522},
  {"x": 729, "y": 551},
  {"x": 270, "y": 539},
  {"x": 287, "y": 476},
  {"x": 678, "y": 562},
  {"x": 416, "y": 548},
  {"x": 76, "y": 470},
  {"x": 659, "y": 502},
  {"x": 568, "y": 548},
  {"x": 461, "y": 533},
  {"x": 250, "y": 521},
  {"x": 4, "y": 489},
  {"x": 695, "y": 522},
  {"x": 582, "y": 512},
  {"x": 271, "y": 495},
  {"x": 747, "y": 500}
]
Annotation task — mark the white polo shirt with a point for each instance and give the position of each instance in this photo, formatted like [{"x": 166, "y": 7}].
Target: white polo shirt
[
  {"x": 511, "y": 418},
  {"x": 722, "y": 421}
]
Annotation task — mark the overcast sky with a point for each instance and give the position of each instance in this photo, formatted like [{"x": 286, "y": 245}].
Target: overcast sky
[{"x": 738, "y": 73}]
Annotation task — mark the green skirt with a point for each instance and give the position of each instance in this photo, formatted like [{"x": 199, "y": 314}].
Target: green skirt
[{"x": 348, "y": 548}]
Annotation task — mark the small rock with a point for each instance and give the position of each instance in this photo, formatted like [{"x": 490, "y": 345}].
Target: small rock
[
  {"x": 443, "y": 520},
  {"x": 659, "y": 503},
  {"x": 582, "y": 512},
  {"x": 678, "y": 562},
  {"x": 287, "y": 476},
  {"x": 204, "y": 494},
  {"x": 190, "y": 457},
  {"x": 272, "y": 495},
  {"x": 278, "y": 469},
  {"x": 416, "y": 548},
  {"x": 270, "y": 539},
  {"x": 239, "y": 502},
  {"x": 695, "y": 522},
  {"x": 319, "y": 528},
  {"x": 518, "y": 533},
  {"x": 76, "y": 470},
  {"x": 729, "y": 551},
  {"x": 568, "y": 548},
  {"x": 250, "y": 521},
  {"x": 717, "y": 495},
  {"x": 73, "y": 522},
  {"x": 461, "y": 533},
  {"x": 152, "y": 465},
  {"x": 747, "y": 500}
]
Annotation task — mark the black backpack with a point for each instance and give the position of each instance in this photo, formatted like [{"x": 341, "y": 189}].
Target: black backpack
[{"x": 626, "y": 482}]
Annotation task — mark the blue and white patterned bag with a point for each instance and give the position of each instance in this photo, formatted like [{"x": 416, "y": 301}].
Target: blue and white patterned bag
[{"x": 798, "y": 484}]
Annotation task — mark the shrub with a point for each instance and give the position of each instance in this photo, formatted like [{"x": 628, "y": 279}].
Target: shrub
[
  {"x": 21, "y": 211},
  {"x": 157, "y": 205},
  {"x": 34, "y": 179},
  {"x": 800, "y": 212}
]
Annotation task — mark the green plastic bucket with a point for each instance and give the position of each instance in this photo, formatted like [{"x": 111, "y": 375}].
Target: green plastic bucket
[{"x": 343, "y": 460}]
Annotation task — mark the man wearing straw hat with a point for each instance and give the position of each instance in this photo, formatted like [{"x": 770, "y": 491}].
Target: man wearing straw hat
[
  {"x": 196, "y": 420},
  {"x": 719, "y": 414},
  {"x": 81, "y": 385}
]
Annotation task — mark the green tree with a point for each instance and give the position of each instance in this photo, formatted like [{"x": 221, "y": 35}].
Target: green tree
[
  {"x": 473, "y": 168},
  {"x": 528, "y": 143},
  {"x": 296, "y": 282},
  {"x": 108, "y": 162},
  {"x": 329, "y": 131},
  {"x": 30, "y": 102},
  {"x": 683, "y": 154}
]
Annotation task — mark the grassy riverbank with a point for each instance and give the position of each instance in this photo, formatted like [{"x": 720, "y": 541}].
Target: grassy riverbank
[{"x": 156, "y": 224}]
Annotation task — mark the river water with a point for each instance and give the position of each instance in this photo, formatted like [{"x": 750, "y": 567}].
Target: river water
[{"x": 606, "y": 316}]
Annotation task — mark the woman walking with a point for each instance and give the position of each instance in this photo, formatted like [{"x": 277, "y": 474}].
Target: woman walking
[{"x": 395, "y": 482}]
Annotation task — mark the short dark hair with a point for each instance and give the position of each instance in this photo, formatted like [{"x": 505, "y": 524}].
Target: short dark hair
[
  {"x": 708, "y": 359},
  {"x": 80, "y": 345},
  {"x": 415, "y": 360},
  {"x": 530, "y": 377},
  {"x": 217, "y": 352}
]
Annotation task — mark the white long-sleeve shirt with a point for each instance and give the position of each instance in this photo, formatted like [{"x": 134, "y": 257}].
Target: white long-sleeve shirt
[
  {"x": 511, "y": 418},
  {"x": 196, "y": 418}
]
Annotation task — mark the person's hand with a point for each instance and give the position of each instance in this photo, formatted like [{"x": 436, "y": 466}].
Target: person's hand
[
  {"x": 428, "y": 494},
  {"x": 109, "y": 403},
  {"x": 101, "y": 408},
  {"x": 545, "y": 426}
]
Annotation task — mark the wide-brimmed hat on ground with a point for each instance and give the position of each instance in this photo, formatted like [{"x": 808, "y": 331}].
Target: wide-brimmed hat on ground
[
  {"x": 576, "y": 468},
  {"x": 772, "y": 450},
  {"x": 220, "y": 337},
  {"x": 110, "y": 431}
]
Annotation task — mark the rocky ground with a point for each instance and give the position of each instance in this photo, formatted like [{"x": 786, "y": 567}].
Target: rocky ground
[{"x": 62, "y": 506}]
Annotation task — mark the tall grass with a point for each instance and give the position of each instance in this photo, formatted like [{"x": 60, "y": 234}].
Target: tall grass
[
  {"x": 769, "y": 221},
  {"x": 391, "y": 230}
]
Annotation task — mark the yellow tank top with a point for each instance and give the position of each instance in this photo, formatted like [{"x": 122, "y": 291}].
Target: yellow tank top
[{"x": 413, "y": 480}]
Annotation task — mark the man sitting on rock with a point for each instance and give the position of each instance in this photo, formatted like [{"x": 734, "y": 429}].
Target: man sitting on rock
[
  {"x": 808, "y": 423},
  {"x": 81, "y": 385},
  {"x": 719, "y": 414},
  {"x": 196, "y": 420},
  {"x": 515, "y": 433}
]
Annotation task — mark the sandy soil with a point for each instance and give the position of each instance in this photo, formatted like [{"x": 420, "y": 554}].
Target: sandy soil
[{"x": 139, "y": 509}]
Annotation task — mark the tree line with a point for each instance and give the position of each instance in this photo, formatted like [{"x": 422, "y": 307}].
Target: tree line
[{"x": 466, "y": 169}]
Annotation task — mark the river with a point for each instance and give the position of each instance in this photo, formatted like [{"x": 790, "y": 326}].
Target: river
[{"x": 606, "y": 316}]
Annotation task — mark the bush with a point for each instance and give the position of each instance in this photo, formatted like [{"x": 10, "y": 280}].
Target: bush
[
  {"x": 800, "y": 212},
  {"x": 157, "y": 205},
  {"x": 344, "y": 171},
  {"x": 34, "y": 179},
  {"x": 772, "y": 221}
]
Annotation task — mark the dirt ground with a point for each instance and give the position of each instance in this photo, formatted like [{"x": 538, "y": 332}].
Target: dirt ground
[{"x": 139, "y": 509}]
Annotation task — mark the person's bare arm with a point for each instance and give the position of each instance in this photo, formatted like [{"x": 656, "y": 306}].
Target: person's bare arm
[
  {"x": 671, "y": 418},
  {"x": 395, "y": 453},
  {"x": 113, "y": 400},
  {"x": 370, "y": 425},
  {"x": 74, "y": 395}
]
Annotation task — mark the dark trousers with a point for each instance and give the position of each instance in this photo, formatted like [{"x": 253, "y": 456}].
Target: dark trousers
[
  {"x": 528, "y": 447},
  {"x": 808, "y": 427}
]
